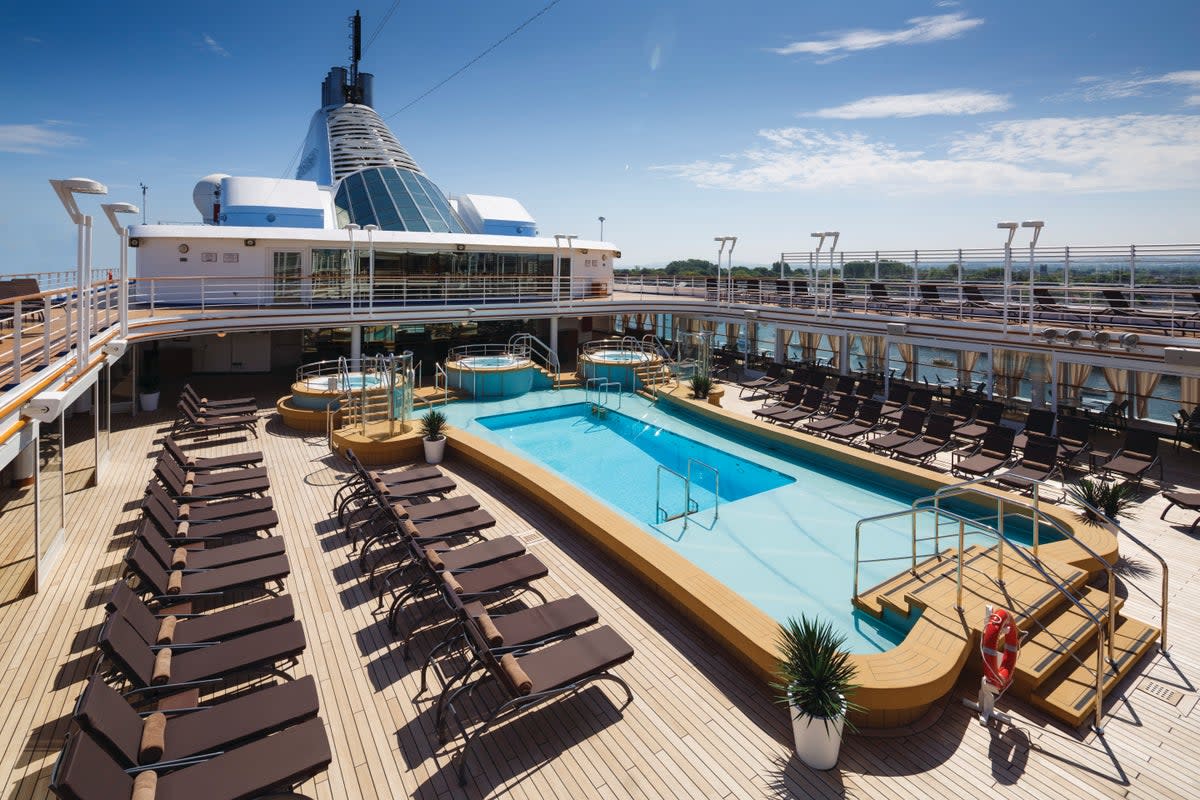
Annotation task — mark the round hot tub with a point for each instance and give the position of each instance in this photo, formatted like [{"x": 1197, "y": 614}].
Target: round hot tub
[
  {"x": 491, "y": 375},
  {"x": 316, "y": 393},
  {"x": 618, "y": 365}
]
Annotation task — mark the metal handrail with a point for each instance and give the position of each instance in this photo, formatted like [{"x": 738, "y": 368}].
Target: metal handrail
[
  {"x": 660, "y": 513},
  {"x": 716, "y": 488},
  {"x": 527, "y": 341},
  {"x": 1020, "y": 551}
]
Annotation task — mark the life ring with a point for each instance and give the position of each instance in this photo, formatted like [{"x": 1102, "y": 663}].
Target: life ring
[{"x": 999, "y": 662}]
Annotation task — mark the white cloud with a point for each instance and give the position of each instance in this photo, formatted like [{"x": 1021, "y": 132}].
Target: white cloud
[
  {"x": 1096, "y": 88},
  {"x": 920, "y": 30},
  {"x": 945, "y": 102},
  {"x": 1132, "y": 152},
  {"x": 35, "y": 138},
  {"x": 215, "y": 46}
]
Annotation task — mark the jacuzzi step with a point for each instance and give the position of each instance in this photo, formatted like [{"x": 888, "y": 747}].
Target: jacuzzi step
[{"x": 1060, "y": 633}]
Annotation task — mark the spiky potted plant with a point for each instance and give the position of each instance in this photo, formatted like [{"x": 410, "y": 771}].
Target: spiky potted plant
[
  {"x": 1113, "y": 499},
  {"x": 701, "y": 386},
  {"x": 816, "y": 681},
  {"x": 433, "y": 433}
]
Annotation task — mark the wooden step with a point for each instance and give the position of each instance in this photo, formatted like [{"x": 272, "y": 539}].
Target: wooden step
[
  {"x": 891, "y": 593},
  {"x": 1069, "y": 693},
  {"x": 1061, "y": 632}
]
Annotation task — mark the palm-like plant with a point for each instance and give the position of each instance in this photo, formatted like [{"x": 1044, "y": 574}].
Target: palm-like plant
[
  {"x": 815, "y": 670},
  {"x": 1113, "y": 499},
  {"x": 433, "y": 425},
  {"x": 701, "y": 386}
]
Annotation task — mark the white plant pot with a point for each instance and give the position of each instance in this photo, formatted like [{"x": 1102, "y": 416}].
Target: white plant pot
[
  {"x": 434, "y": 450},
  {"x": 148, "y": 401},
  {"x": 817, "y": 740}
]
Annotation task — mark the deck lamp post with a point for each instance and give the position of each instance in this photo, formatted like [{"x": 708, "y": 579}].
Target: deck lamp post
[
  {"x": 1011, "y": 227},
  {"x": 832, "y": 247},
  {"x": 66, "y": 189},
  {"x": 732, "y": 244},
  {"x": 370, "y": 229},
  {"x": 721, "y": 240},
  {"x": 111, "y": 210},
  {"x": 602, "y": 229},
  {"x": 820, "y": 237},
  {"x": 1037, "y": 226},
  {"x": 352, "y": 227}
]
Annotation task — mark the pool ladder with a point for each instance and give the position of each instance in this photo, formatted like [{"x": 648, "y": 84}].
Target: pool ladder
[
  {"x": 690, "y": 506},
  {"x": 601, "y": 386}
]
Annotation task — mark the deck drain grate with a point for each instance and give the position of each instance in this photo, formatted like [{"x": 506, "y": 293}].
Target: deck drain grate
[
  {"x": 1161, "y": 691},
  {"x": 530, "y": 538}
]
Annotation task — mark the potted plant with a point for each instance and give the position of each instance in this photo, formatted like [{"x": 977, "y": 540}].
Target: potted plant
[
  {"x": 433, "y": 427},
  {"x": 701, "y": 386},
  {"x": 816, "y": 680},
  {"x": 1113, "y": 499},
  {"x": 148, "y": 391}
]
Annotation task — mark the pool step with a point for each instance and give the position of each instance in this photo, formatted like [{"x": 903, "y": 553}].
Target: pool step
[
  {"x": 891, "y": 593},
  {"x": 1060, "y": 633},
  {"x": 1069, "y": 693}
]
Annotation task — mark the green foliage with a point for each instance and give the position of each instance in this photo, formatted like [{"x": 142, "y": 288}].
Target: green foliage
[
  {"x": 701, "y": 386},
  {"x": 433, "y": 425},
  {"x": 1113, "y": 499},
  {"x": 815, "y": 672}
]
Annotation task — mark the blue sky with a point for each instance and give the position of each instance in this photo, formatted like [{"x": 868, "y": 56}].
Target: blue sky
[{"x": 900, "y": 124}]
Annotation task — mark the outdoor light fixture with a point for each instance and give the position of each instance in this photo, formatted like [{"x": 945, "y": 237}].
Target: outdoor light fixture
[
  {"x": 1101, "y": 338},
  {"x": 1130, "y": 341},
  {"x": 460, "y": 247},
  {"x": 1072, "y": 336},
  {"x": 66, "y": 189},
  {"x": 111, "y": 210},
  {"x": 1050, "y": 334},
  {"x": 249, "y": 242}
]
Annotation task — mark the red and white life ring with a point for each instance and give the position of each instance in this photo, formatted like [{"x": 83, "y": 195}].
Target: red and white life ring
[{"x": 1000, "y": 643}]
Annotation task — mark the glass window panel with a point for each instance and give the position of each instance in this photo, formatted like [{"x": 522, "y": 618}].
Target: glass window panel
[
  {"x": 385, "y": 209},
  {"x": 360, "y": 202},
  {"x": 421, "y": 199},
  {"x": 444, "y": 221},
  {"x": 412, "y": 219}
]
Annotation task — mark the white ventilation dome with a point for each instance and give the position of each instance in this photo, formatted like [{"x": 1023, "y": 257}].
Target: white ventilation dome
[{"x": 207, "y": 194}]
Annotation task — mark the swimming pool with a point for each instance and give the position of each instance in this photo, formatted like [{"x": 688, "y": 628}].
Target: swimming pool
[{"x": 492, "y": 362}]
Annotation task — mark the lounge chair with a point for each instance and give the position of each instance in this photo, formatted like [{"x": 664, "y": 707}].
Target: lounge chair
[
  {"x": 972, "y": 297},
  {"x": 200, "y": 400},
  {"x": 911, "y": 422},
  {"x": 178, "y": 585},
  {"x": 773, "y": 374},
  {"x": 845, "y": 411},
  {"x": 931, "y": 299},
  {"x": 844, "y": 386},
  {"x": 961, "y": 408},
  {"x": 198, "y": 734},
  {"x": 937, "y": 437},
  {"x": 360, "y": 477},
  {"x": 212, "y": 530},
  {"x": 814, "y": 399},
  {"x": 209, "y": 463},
  {"x": 189, "y": 423},
  {"x": 201, "y": 409},
  {"x": 795, "y": 393},
  {"x": 987, "y": 416},
  {"x": 1037, "y": 464},
  {"x": 196, "y": 555},
  {"x": 1188, "y": 500},
  {"x": 511, "y": 631},
  {"x": 878, "y": 297},
  {"x": 230, "y": 623},
  {"x": 527, "y": 680},
  {"x": 393, "y": 527},
  {"x": 1038, "y": 422},
  {"x": 921, "y": 399},
  {"x": 183, "y": 486},
  {"x": 211, "y": 477},
  {"x": 365, "y": 486},
  {"x": 151, "y": 670},
  {"x": 428, "y": 561},
  {"x": 195, "y": 510},
  {"x": 865, "y": 421},
  {"x": 896, "y": 400},
  {"x": 992, "y": 453},
  {"x": 1074, "y": 434},
  {"x": 278, "y": 763},
  {"x": 1137, "y": 455}
]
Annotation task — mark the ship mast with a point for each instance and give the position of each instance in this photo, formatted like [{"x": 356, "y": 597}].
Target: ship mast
[{"x": 354, "y": 89}]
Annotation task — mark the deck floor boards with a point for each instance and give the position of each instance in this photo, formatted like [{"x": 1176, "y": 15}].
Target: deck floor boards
[{"x": 699, "y": 726}]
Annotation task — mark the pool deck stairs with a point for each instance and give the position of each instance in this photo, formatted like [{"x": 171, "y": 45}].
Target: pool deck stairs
[{"x": 1058, "y": 642}]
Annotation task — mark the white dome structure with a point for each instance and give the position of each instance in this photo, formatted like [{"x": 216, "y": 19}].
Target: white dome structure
[{"x": 207, "y": 196}]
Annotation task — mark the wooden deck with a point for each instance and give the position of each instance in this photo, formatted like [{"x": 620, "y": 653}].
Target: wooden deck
[{"x": 699, "y": 725}]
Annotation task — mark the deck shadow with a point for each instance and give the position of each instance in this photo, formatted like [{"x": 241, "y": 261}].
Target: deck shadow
[{"x": 32, "y": 785}]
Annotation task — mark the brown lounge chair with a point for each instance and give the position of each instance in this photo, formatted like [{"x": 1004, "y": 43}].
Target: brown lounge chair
[
  {"x": 360, "y": 476},
  {"x": 1038, "y": 422},
  {"x": 813, "y": 400},
  {"x": 202, "y": 409},
  {"x": 511, "y": 631},
  {"x": 1074, "y": 439},
  {"x": 533, "y": 678},
  {"x": 429, "y": 561},
  {"x": 196, "y": 555},
  {"x": 158, "y": 629},
  {"x": 987, "y": 416},
  {"x": 936, "y": 438},
  {"x": 1138, "y": 453},
  {"x": 1188, "y": 500},
  {"x": 992, "y": 453},
  {"x": 199, "y": 733},
  {"x": 209, "y": 463},
  {"x": 190, "y": 392},
  {"x": 189, "y": 423},
  {"x": 278, "y": 763},
  {"x": 196, "y": 510},
  {"x": 211, "y": 477},
  {"x": 919, "y": 398},
  {"x": 863, "y": 423},
  {"x": 845, "y": 410},
  {"x": 1038, "y": 463},
  {"x": 167, "y": 668},
  {"x": 790, "y": 399},
  {"x": 178, "y": 585},
  {"x": 772, "y": 376},
  {"x": 212, "y": 530},
  {"x": 185, "y": 486},
  {"x": 896, "y": 401},
  {"x": 911, "y": 423},
  {"x": 365, "y": 486}
]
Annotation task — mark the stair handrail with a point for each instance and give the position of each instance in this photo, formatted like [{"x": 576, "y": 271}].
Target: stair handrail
[
  {"x": 441, "y": 374},
  {"x": 1020, "y": 551},
  {"x": 547, "y": 354}
]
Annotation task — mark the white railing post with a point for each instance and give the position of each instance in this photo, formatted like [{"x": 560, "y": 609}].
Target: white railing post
[{"x": 47, "y": 308}]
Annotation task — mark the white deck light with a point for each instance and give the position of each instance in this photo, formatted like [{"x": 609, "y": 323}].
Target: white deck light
[{"x": 111, "y": 210}]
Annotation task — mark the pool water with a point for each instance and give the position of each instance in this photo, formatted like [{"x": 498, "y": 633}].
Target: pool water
[
  {"x": 784, "y": 537},
  {"x": 638, "y": 487},
  {"x": 618, "y": 357},
  {"x": 491, "y": 362}
]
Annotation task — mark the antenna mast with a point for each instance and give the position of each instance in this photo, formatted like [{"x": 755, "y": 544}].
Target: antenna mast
[{"x": 354, "y": 91}]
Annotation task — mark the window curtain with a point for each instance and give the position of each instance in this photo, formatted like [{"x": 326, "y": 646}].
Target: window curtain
[
  {"x": 1145, "y": 383},
  {"x": 808, "y": 346},
  {"x": 835, "y": 346},
  {"x": 731, "y": 335},
  {"x": 908, "y": 356},
  {"x": 1189, "y": 394},
  {"x": 1007, "y": 371},
  {"x": 873, "y": 353},
  {"x": 967, "y": 359},
  {"x": 1115, "y": 378},
  {"x": 787, "y": 343},
  {"x": 1071, "y": 376}
]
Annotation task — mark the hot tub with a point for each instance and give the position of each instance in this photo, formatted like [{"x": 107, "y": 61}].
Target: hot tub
[{"x": 493, "y": 375}]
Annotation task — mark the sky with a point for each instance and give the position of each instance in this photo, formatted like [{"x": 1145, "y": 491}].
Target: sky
[{"x": 899, "y": 124}]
